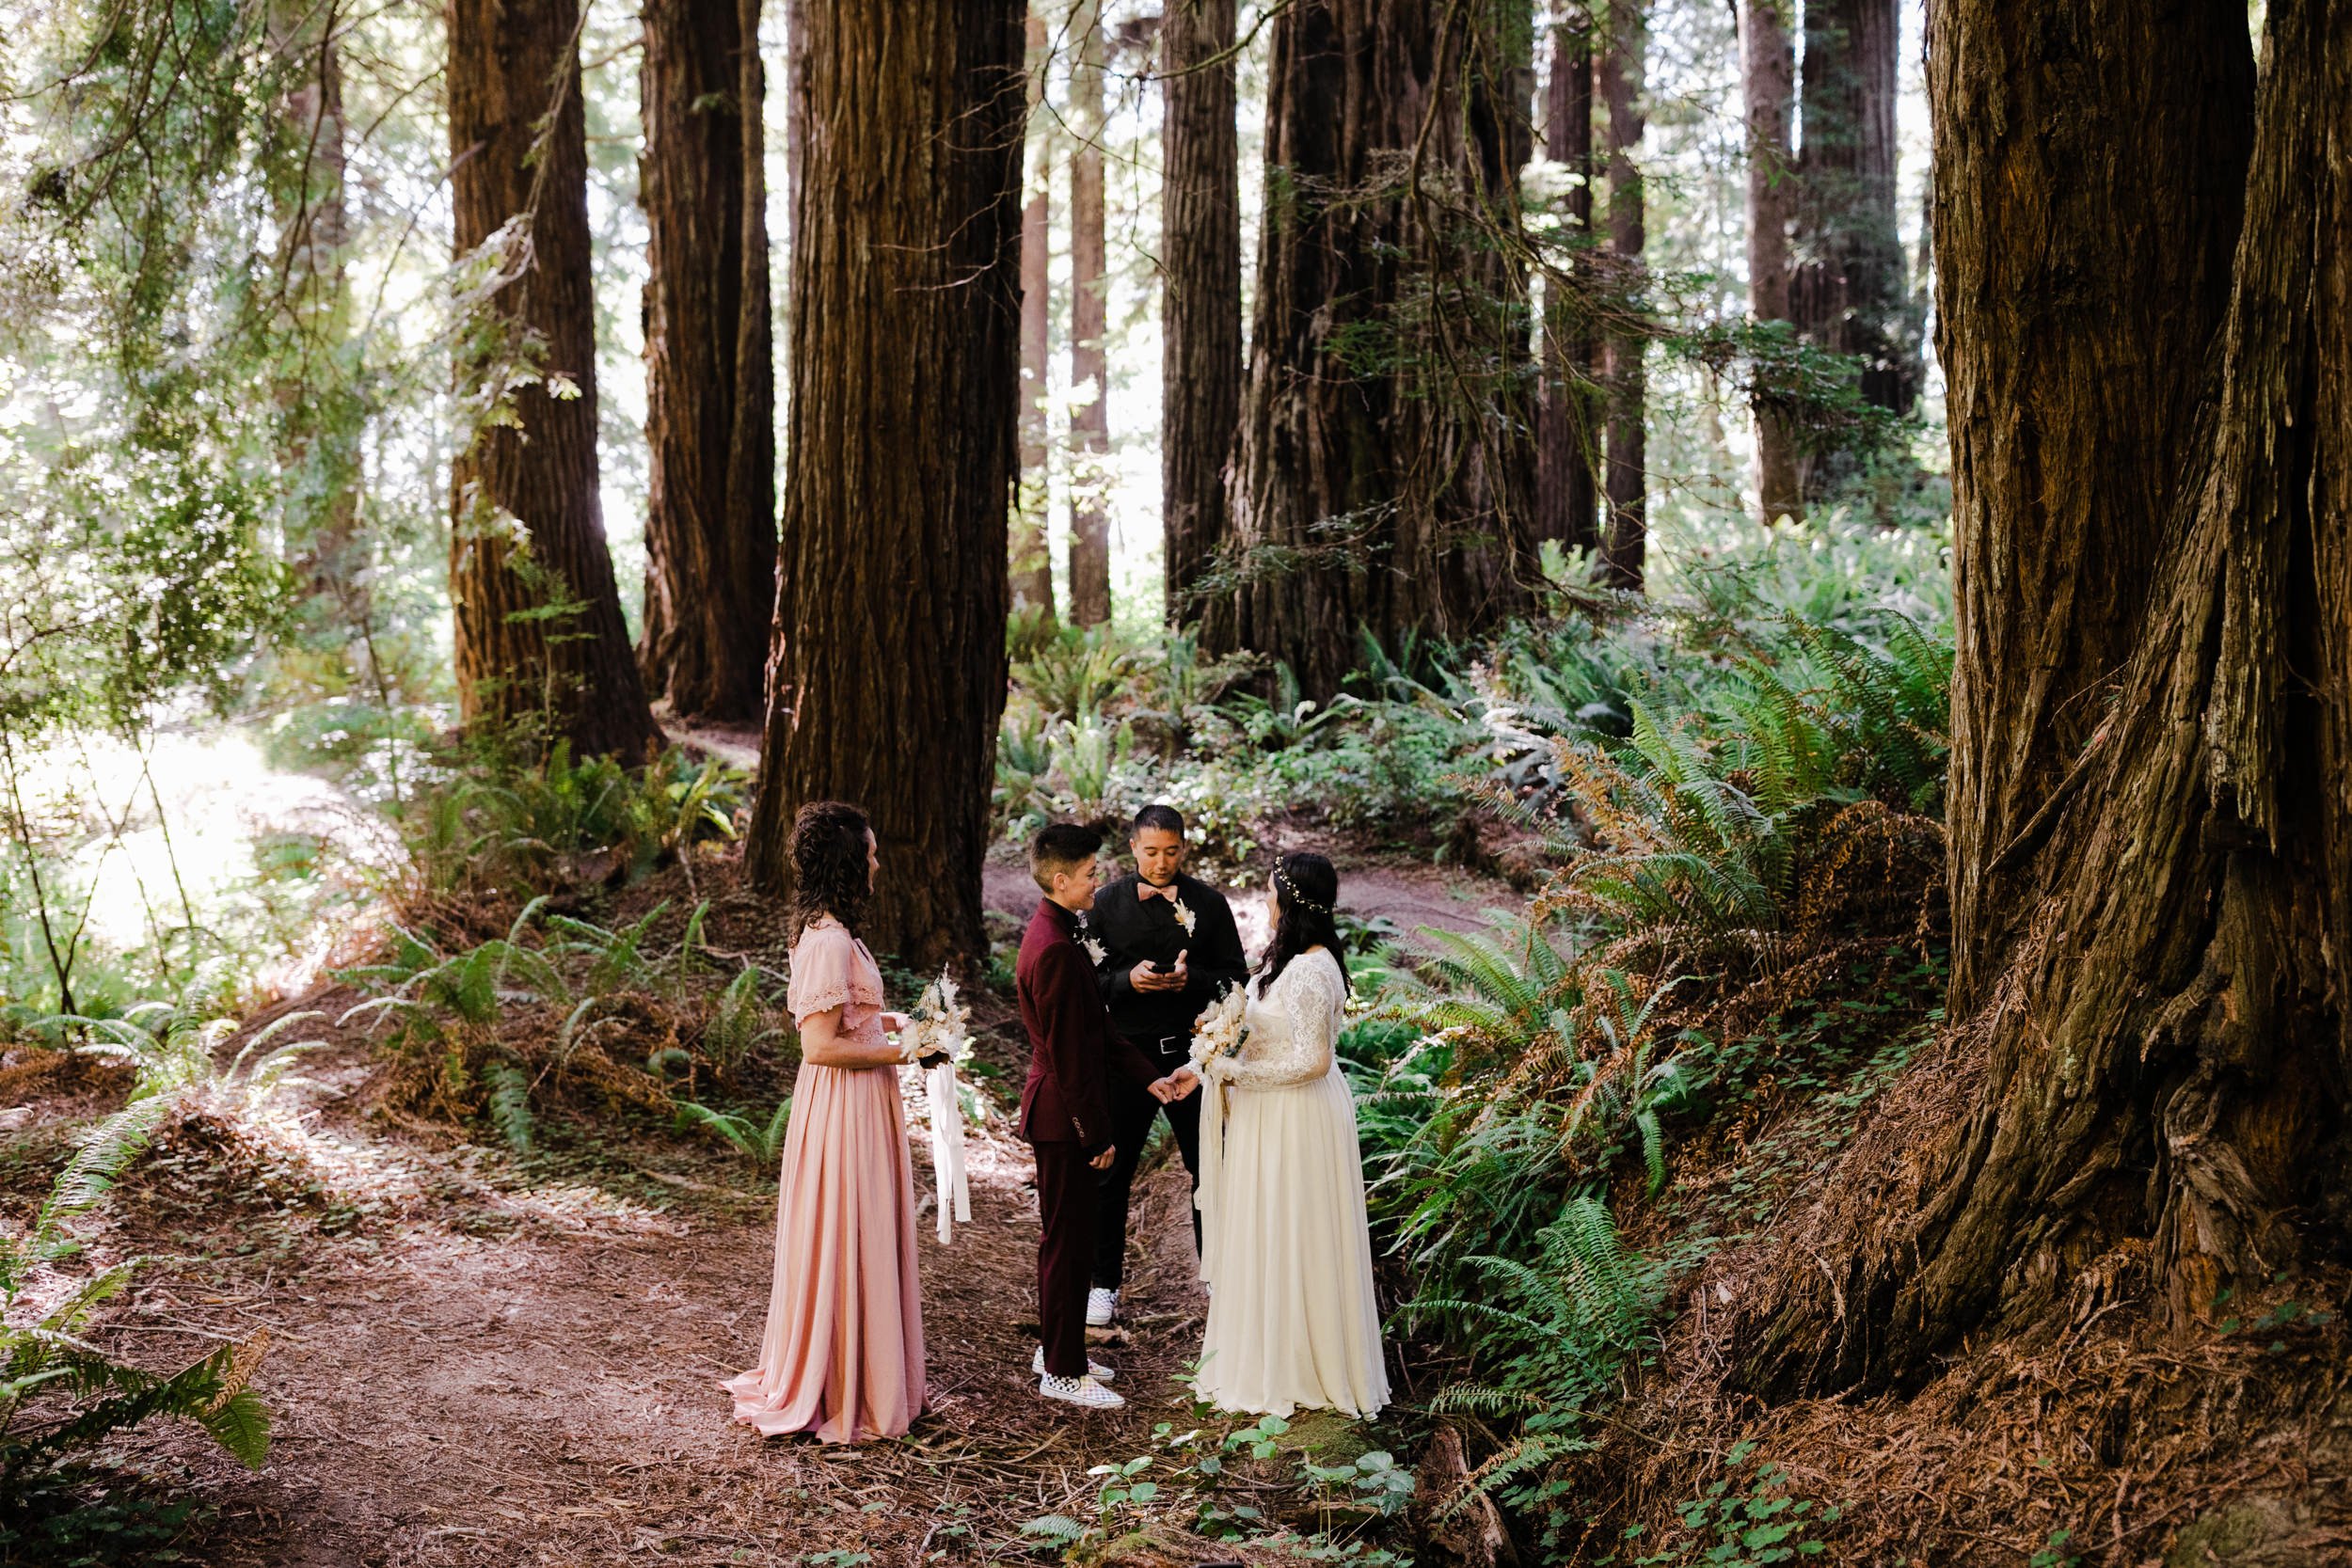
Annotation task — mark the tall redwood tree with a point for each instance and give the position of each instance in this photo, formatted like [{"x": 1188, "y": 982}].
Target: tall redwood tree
[
  {"x": 1848, "y": 291},
  {"x": 1567, "y": 491},
  {"x": 711, "y": 523},
  {"x": 1768, "y": 67},
  {"x": 1385, "y": 474},
  {"x": 2147, "y": 324},
  {"x": 1089, "y": 328},
  {"x": 889, "y": 662},
  {"x": 1032, "y": 563},
  {"x": 539, "y": 633},
  {"x": 1625, "y": 539},
  {"x": 1201, "y": 290}
]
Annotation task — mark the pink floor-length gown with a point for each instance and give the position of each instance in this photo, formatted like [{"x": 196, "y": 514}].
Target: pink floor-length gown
[{"x": 842, "y": 1355}]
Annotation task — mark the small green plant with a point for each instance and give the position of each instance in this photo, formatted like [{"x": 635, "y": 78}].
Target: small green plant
[
  {"x": 509, "y": 1103},
  {"x": 1748, "y": 1519},
  {"x": 760, "y": 1143},
  {"x": 1372, "y": 1480},
  {"x": 838, "y": 1557},
  {"x": 60, "y": 1395}
]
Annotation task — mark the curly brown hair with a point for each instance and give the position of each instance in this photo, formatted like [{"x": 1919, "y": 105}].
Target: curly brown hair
[{"x": 829, "y": 873}]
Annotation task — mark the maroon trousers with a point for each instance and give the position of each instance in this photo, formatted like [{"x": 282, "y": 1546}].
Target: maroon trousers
[{"x": 1066, "y": 1187}]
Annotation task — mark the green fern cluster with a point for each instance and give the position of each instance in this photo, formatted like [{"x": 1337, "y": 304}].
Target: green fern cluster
[
  {"x": 59, "y": 1394},
  {"x": 1557, "y": 1325},
  {"x": 512, "y": 811}
]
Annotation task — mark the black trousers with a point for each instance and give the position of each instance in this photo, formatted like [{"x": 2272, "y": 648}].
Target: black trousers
[
  {"x": 1065, "y": 1203},
  {"x": 1132, "y": 1111}
]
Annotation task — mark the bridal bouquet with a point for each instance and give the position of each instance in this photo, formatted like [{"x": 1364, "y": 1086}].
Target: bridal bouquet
[
  {"x": 936, "y": 1037},
  {"x": 1219, "y": 1031},
  {"x": 939, "y": 1025}
]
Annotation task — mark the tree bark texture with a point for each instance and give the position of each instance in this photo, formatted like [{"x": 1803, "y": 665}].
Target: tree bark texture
[
  {"x": 1768, "y": 64},
  {"x": 1849, "y": 294},
  {"x": 1089, "y": 324},
  {"x": 2091, "y": 261},
  {"x": 1569, "y": 425},
  {"x": 1032, "y": 563},
  {"x": 1385, "y": 474},
  {"x": 1201, "y": 366},
  {"x": 889, "y": 651},
  {"x": 540, "y": 638},
  {"x": 711, "y": 523},
  {"x": 2163, "y": 1103},
  {"x": 1626, "y": 490}
]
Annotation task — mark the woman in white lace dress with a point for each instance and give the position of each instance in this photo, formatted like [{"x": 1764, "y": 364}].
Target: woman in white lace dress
[{"x": 1286, "y": 1248}]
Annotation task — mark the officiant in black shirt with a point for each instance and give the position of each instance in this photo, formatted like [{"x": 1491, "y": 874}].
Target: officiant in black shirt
[{"x": 1169, "y": 949}]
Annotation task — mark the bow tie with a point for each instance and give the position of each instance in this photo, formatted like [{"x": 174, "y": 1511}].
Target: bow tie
[{"x": 1145, "y": 890}]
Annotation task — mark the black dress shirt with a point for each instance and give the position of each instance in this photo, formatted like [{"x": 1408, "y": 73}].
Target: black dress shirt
[{"x": 1133, "y": 929}]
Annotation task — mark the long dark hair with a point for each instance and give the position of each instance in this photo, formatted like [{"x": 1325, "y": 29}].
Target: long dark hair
[
  {"x": 1306, "y": 893},
  {"x": 829, "y": 873}
]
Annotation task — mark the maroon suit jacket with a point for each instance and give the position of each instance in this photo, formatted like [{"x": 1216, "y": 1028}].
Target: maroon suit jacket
[{"x": 1072, "y": 1043}]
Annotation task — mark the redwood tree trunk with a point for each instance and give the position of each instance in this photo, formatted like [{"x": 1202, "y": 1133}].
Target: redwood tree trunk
[
  {"x": 1567, "y": 490},
  {"x": 1626, "y": 545},
  {"x": 540, "y": 640},
  {"x": 1032, "y": 564},
  {"x": 1768, "y": 72},
  {"x": 1200, "y": 293},
  {"x": 319, "y": 426},
  {"x": 2143, "y": 390},
  {"x": 1849, "y": 294},
  {"x": 1089, "y": 359},
  {"x": 1385, "y": 474},
  {"x": 710, "y": 526},
  {"x": 889, "y": 673}
]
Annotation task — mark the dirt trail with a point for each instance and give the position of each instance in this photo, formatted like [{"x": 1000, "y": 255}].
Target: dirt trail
[
  {"x": 491, "y": 1368},
  {"x": 476, "y": 1360}
]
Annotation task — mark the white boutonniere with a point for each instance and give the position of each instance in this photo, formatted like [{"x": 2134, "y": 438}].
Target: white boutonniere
[
  {"x": 1185, "y": 916},
  {"x": 1095, "y": 950}
]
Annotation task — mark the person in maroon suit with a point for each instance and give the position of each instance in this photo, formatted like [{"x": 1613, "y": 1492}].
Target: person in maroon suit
[{"x": 1065, "y": 1103}]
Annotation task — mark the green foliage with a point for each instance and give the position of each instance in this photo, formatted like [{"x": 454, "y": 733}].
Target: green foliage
[
  {"x": 60, "y": 1395},
  {"x": 1554, "y": 1332},
  {"x": 505, "y": 814},
  {"x": 736, "y": 1024},
  {"x": 1747, "y": 1520},
  {"x": 761, "y": 1144},
  {"x": 509, "y": 1086}
]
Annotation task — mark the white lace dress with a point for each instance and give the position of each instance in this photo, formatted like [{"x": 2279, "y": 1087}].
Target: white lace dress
[{"x": 1286, "y": 1248}]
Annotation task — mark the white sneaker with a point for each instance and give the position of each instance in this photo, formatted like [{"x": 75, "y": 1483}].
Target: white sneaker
[
  {"x": 1081, "y": 1391},
  {"x": 1102, "y": 1306},
  {"x": 1095, "y": 1369}
]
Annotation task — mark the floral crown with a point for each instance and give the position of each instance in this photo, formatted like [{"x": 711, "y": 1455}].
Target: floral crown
[{"x": 1290, "y": 889}]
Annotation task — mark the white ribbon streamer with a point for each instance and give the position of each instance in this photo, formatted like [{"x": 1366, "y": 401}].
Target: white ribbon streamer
[
  {"x": 955, "y": 1188},
  {"x": 1204, "y": 1196}
]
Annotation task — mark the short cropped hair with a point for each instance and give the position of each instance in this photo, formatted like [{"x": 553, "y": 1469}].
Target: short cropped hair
[
  {"x": 1062, "y": 846},
  {"x": 1167, "y": 819}
]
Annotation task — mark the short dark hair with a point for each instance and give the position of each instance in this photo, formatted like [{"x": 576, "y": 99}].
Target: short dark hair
[
  {"x": 1167, "y": 819},
  {"x": 1060, "y": 847}
]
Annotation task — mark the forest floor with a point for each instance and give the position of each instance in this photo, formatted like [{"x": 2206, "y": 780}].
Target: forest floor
[{"x": 482, "y": 1358}]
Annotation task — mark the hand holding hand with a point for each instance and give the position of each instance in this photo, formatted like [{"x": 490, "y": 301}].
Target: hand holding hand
[
  {"x": 1180, "y": 1083},
  {"x": 1102, "y": 1161}
]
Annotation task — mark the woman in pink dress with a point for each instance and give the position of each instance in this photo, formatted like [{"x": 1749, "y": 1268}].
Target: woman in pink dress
[{"x": 842, "y": 1355}]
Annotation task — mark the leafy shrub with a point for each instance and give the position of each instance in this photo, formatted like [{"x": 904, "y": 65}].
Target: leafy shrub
[{"x": 60, "y": 1395}]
